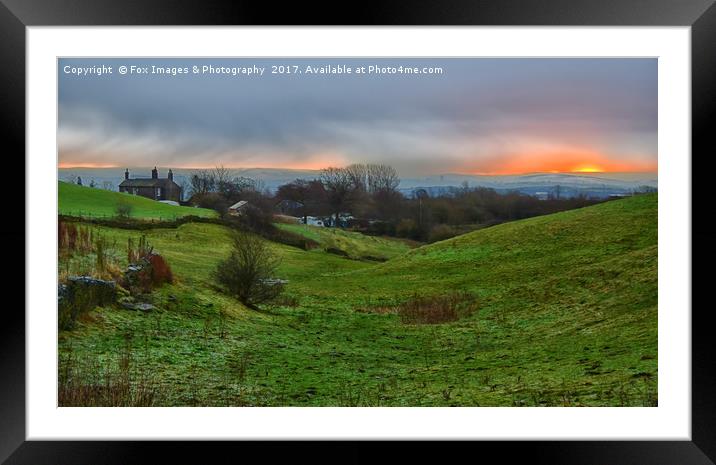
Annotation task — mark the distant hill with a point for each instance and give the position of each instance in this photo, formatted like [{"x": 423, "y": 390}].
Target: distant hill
[
  {"x": 570, "y": 184},
  {"x": 93, "y": 202},
  {"x": 564, "y": 185}
]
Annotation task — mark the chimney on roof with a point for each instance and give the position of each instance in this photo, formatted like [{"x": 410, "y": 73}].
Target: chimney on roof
[
  {"x": 170, "y": 175},
  {"x": 155, "y": 173},
  {"x": 126, "y": 173}
]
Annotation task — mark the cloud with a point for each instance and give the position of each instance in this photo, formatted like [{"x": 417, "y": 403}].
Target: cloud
[{"x": 481, "y": 115}]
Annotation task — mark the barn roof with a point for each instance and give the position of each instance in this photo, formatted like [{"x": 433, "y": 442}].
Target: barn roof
[
  {"x": 147, "y": 182},
  {"x": 238, "y": 205}
]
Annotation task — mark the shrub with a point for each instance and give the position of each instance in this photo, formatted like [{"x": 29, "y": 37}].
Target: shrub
[
  {"x": 86, "y": 383},
  {"x": 143, "y": 249},
  {"x": 100, "y": 244},
  {"x": 381, "y": 228},
  {"x": 441, "y": 232},
  {"x": 72, "y": 238},
  {"x": 406, "y": 228},
  {"x": 148, "y": 269},
  {"x": 247, "y": 272},
  {"x": 437, "y": 309},
  {"x": 286, "y": 301},
  {"x": 213, "y": 201},
  {"x": 256, "y": 219},
  {"x": 160, "y": 270},
  {"x": 84, "y": 239},
  {"x": 123, "y": 210}
]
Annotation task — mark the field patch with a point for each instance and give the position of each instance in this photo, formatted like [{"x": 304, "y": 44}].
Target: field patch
[{"x": 91, "y": 202}]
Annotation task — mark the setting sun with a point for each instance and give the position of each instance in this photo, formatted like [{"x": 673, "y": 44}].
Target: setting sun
[
  {"x": 560, "y": 160},
  {"x": 588, "y": 169}
]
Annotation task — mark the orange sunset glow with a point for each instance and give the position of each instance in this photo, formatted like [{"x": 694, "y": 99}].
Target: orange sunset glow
[
  {"x": 511, "y": 164},
  {"x": 66, "y": 164},
  {"x": 315, "y": 161},
  {"x": 562, "y": 162}
]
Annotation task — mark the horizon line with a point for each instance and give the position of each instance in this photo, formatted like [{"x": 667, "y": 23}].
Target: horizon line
[{"x": 522, "y": 173}]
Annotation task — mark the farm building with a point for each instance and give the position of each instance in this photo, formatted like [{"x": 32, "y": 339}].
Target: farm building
[
  {"x": 152, "y": 188},
  {"x": 313, "y": 221},
  {"x": 238, "y": 208}
]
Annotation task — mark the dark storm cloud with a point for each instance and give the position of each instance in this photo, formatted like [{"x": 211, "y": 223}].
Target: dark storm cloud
[{"x": 478, "y": 108}]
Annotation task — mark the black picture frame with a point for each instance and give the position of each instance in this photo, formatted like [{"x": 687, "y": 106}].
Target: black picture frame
[{"x": 700, "y": 15}]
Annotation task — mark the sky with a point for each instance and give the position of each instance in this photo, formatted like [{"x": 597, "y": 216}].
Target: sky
[{"x": 477, "y": 116}]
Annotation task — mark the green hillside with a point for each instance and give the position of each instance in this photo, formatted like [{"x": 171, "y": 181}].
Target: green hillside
[
  {"x": 567, "y": 315},
  {"x": 91, "y": 202},
  {"x": 354, "y": 245}
]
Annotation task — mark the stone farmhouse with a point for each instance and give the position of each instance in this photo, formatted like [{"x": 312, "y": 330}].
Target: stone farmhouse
[{"x": 152, "y": 188}]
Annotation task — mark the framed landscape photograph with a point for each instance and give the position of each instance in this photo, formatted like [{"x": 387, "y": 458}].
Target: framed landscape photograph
[
  {"x": 477, "y": 232},
  {"x": 357, "y": 232}
]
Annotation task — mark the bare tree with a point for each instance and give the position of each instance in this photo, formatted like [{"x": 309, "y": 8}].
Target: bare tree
[
  {"x": 375, "y": 191},
  {"x": 243, "y": 183},
  {"x": 297, "y": 191},
  {"x": 339, "y": 185},
  {"x": 123, "y": 209},
  {"x": 202, "y": 182},
  {"x": 222, "y": 179},
  {"x": 382, "y": 178},
  {"x": 248, "y": 272},
  {"x": 358, "y": 175},
  {"x": 373, "y": 177}
]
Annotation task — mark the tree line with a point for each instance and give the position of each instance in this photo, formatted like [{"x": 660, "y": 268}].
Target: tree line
[{"x": 365, "y": 197}]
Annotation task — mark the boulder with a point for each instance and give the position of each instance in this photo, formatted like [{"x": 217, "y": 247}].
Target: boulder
[
  {"x": 95, "y": 292},
  {"x": 80, "y": 295},
  {"x": 137, "y": 276},
  {"x": 138, "y": 306}
]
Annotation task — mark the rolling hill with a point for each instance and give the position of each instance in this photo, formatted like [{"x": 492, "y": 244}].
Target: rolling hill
[
  {"x": 351, "y": 244},
  {"x": 567, "y": 316},
  {"x": 85, "y": 201}
]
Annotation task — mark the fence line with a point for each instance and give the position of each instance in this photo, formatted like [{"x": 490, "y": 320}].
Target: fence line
[{"x": 103, "y": 216}]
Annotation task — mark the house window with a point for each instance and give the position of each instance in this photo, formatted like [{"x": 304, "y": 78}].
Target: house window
[{"x": 159, "y": 192}]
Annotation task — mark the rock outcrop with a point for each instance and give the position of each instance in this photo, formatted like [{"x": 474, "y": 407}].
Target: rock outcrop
[{"x": 80, "y": 295}]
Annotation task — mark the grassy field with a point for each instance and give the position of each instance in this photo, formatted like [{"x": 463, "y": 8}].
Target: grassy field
[
  {"x": 567, "y": 317},
  {"x": 356, "y": 246},
  {"x": 91, "y": 202}
]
